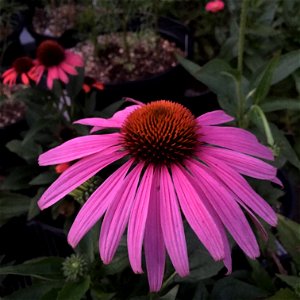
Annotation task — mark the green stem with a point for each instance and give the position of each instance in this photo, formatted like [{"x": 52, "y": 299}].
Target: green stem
[
  {"x": 266, "y": 126},
  {"x": 168, "y": 280},
  {"x": 241, "y": 98}
]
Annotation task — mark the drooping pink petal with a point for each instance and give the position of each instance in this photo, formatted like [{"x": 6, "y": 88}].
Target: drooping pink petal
[
  {"x": 242, "y": 163},
  {"x": 117, "y": 215},
  {"x": 214, "y": 118},
  {"x": 8, "y": 72},
  {"x": 77, "y": 174},
  {"x": 77, "y": 148},
  {"x": 235, "y": 139},
  {"x": 68, "y": 69},
  {"x": 226, "y": 207},
  {"x": 25, "y": 79},
  {"x": 62, "y": 75},
  {"x": 155, "y": 254},
  {"x": 36, "y": 72},
  {"x": 114, "y": 122},
  {"x": 240, "y": 187},
  {"x": 52, "y": 74},
  {"x": 197, "y": 215},
  {"x": 10, "y": 79},
  {"x": 137, "y": 221},
  {"x": 97, "y": 204},
  {"x": 73, "y": 59},
  {"x": 171, "y": 223}
]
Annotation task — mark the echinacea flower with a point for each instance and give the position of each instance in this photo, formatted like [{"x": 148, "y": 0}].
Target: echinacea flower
[
  {"x": 176, "y": 164},
  {"x": 90, "y": 83},
  {"x": 57, "y": 61},
  {"x": 214, "y": 6},
  {"x": 20, "y": 68}
]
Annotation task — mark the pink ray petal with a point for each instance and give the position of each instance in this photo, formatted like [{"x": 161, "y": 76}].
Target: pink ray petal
[
  {"x": 25, "y": 79},
  {"x": 10, "y": 79},
  {"x": 8, "y": 72},
  {"x": 171, "y": 223},
  {"x": 197, "y": 215},
  {"x": 73, "y": 59},
  {"x": 137, "y": 221},
  {"x": 68, "y": 69},
  {"x": 117, "y": 215},
  {"x": 78, "y": 148},
  {"x": 36, "y": 72},
  {"x": 155, "y": 254},
  {"x": 242, "y": 163},
  {"x": 97, "y": 204},
  {"x": 225, "y": 206},
  {"x": 214, "y": 118},
  {"x": 114, "y": 122},
  {"x": 52, "y": 74},
  {"x": 235, "y": 139},
  {"x": 240, "y": 187},
  {"x": 62, "y": 75},
  {"x": 77, "y": 174}
]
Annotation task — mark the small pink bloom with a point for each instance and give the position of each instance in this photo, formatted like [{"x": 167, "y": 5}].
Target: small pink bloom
[
  {"x": 57, "y": 61},
  {"x": 90, "y": 83},
  {"x": 20, "y": 68},
  {"x": 214, "y": 6},
  {"x": 174, "y": 165}
]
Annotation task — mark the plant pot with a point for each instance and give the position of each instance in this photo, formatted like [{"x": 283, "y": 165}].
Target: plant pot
[{"x": 167, "y": 85}]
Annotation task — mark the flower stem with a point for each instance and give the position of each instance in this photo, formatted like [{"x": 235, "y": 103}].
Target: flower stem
[
  {"x": 241, "y": 98},
  {"x": 168, "y": 280}
]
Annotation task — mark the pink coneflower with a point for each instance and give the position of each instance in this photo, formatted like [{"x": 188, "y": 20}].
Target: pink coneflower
[
  {"x": 20, "y": 68},
  {"x": 90, "y": 83},
  {"x": 176, "y": 163},
  {"x": 214, "y": 6},
  {"x": 57, "y": 61},
  {"x": 60, "y": 168}
]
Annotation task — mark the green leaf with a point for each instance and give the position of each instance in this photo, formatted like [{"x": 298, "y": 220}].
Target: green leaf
[
  {"x": 34, "y": 210},
  {"x": 262, "y": 83},
  {"x": 12, "y": 205},
  {"x": 284, "y": 294},
  {"x": 286, "y": 149},
  {"x": 280, "y": 104},
  {"x": 43, "y": 178},
  {"x": 43, "y": 268},
  {"x": 171, "y": 295},
  {"x": 18, "y": 178},
  {"x": 287, "y": 64},
  {"x": 75, "y": 84},
  {"x": 74, "y": 290},
  {"x": 292, "y": 281},
  {"x": 30, "y": 151},
  {"x": 119, "y": 263},
  {"x": 230, "y": 288},
  {"x": 288, "y": 233},
  {"x": 36, "y": 291}
]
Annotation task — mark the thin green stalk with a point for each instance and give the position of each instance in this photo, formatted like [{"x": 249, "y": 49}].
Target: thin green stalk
[
  {"x": 266, "y": 126},
  {"x": 241, "y": 98}
]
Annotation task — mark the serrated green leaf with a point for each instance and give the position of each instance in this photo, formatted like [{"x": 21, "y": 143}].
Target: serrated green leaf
[
  {"x": 284, "y": 294},
  {"x": 287, "y": 64},
  {"x": 12, "y": 205},
  {"x": 74, "y": 290},
  {"x": 49, "y": 268},
  {"x": 280, "y": 104},
  {"x": 288, "y": 233},
  {"x": 262, "y": 82},
  {"x": 292, "y": 281}
]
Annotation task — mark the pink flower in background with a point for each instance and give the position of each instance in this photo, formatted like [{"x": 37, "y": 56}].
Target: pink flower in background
[
  {"x": 214, "y": 6},
  {"x": 60, "y": 168},
  {"x": 20, "y": 68},
  {"x": 57, "y": 61},
  {"x": 90, "y": 83},
  {"x": 173, "y": 164}
]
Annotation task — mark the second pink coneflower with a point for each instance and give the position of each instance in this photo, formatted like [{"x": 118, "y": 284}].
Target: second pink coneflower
[
  {"x": 56, "y": 61},
  {"x": 173, "y": 165}
]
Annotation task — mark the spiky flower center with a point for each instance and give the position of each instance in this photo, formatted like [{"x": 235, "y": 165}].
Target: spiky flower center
[
  {"x": 22, "y": 65},
  {"x": 161, "y": 132},
  {"x": 50, "y": 53}
]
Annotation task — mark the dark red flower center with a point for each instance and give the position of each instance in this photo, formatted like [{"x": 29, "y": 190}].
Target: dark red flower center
[
  {"x": 160, "y": 132},
  {"x": 22, "y": 64},
  {"x": 50, "y": 53}
]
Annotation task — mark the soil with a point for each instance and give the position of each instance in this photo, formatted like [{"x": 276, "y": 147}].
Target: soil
[
  {"x": 109, "y": 62},
  {"x": 54, "y": 21}
]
